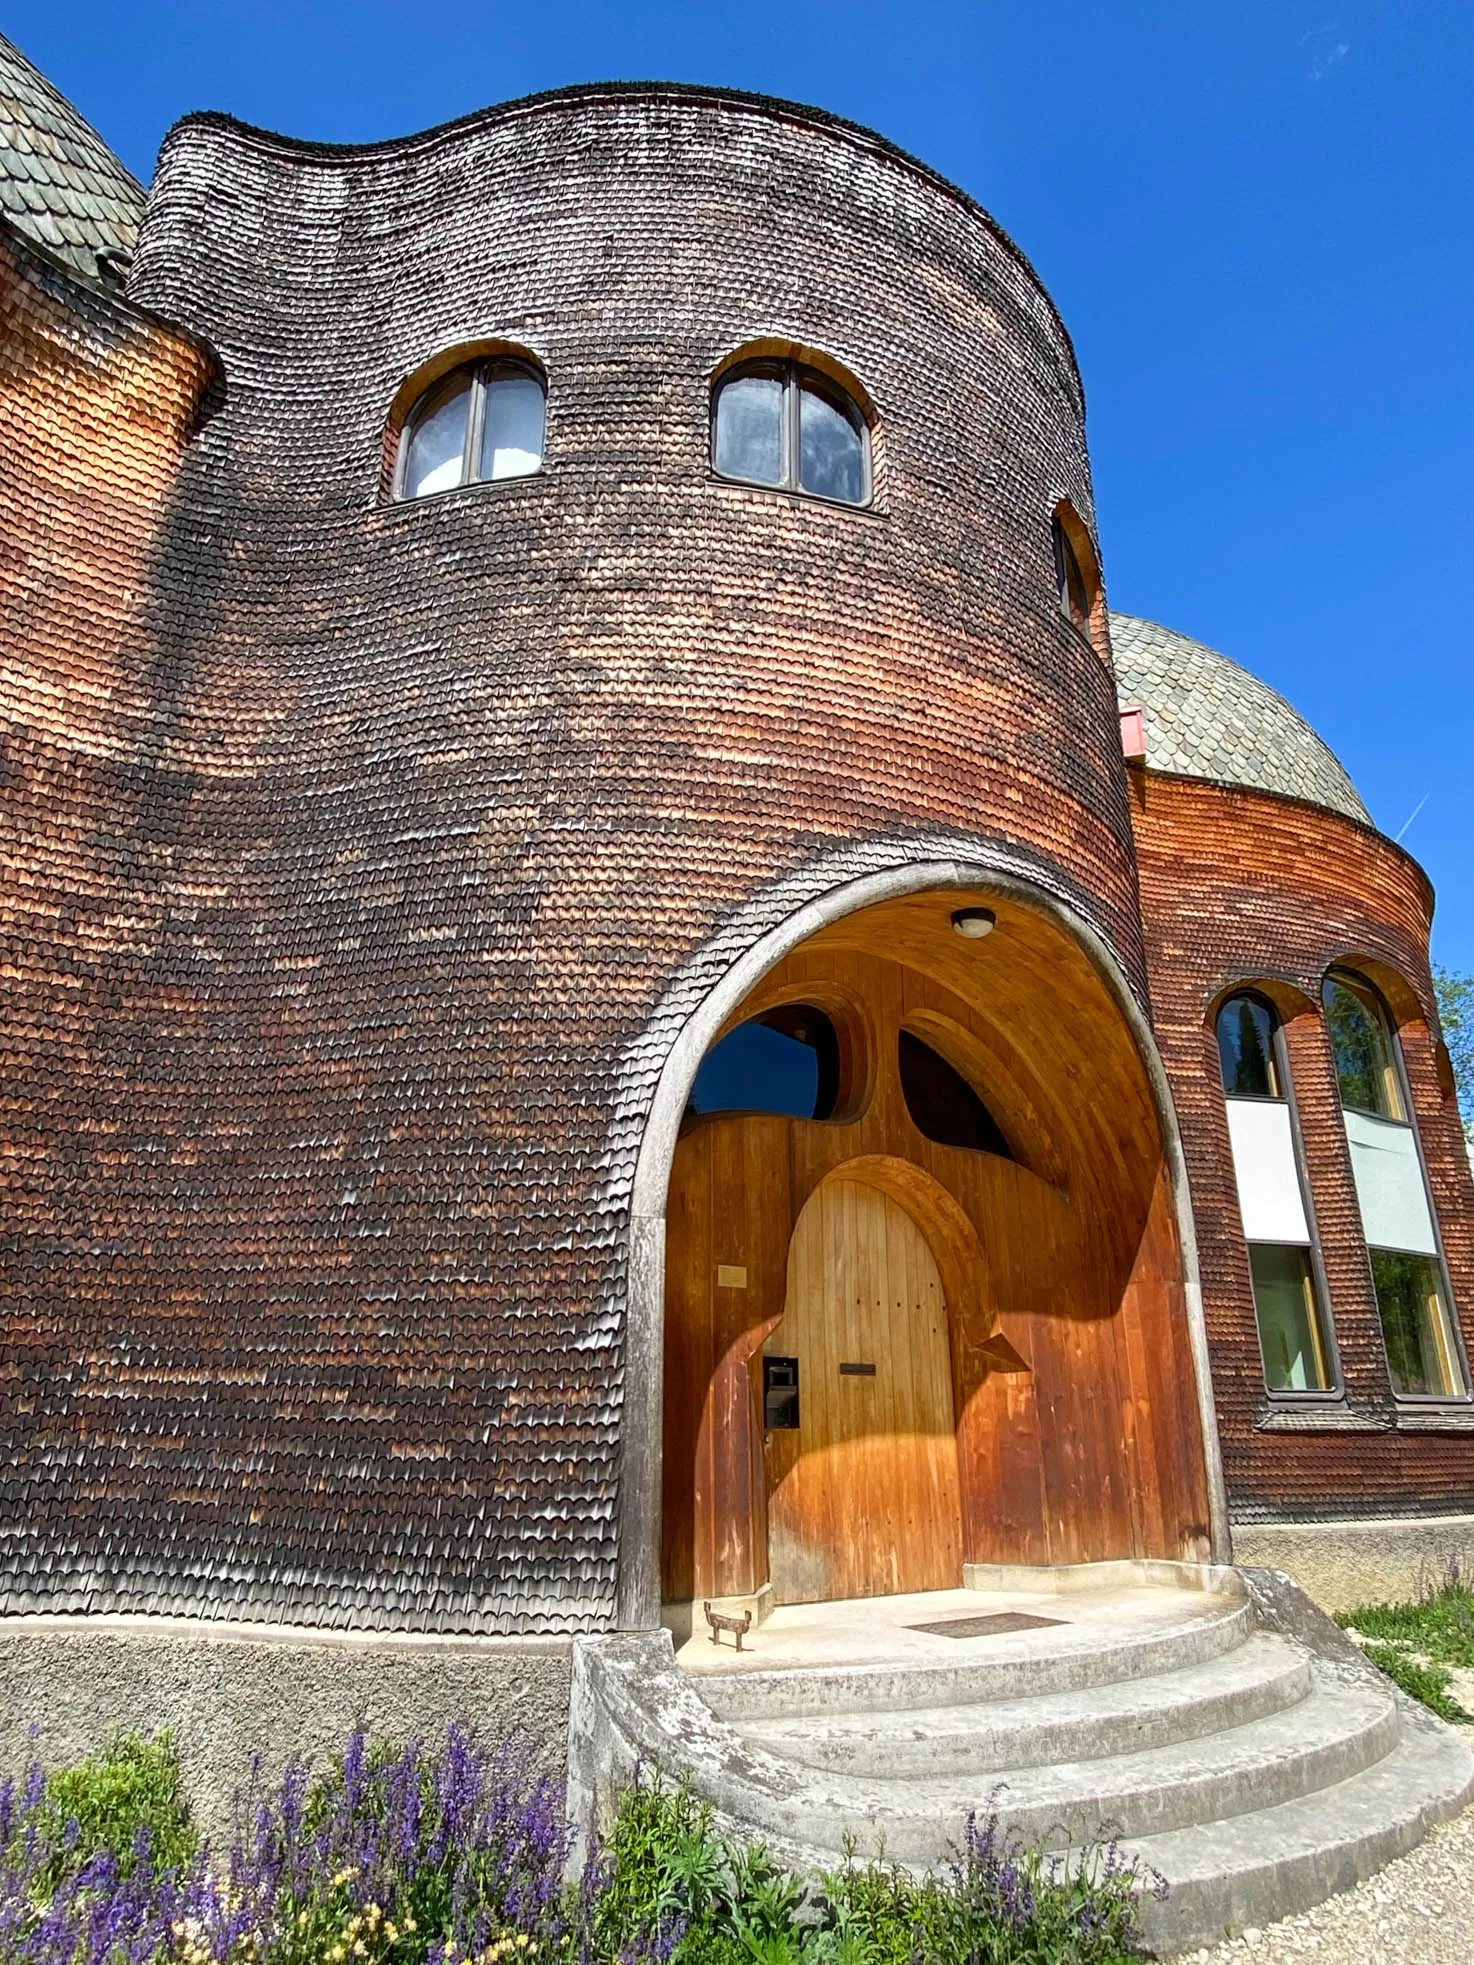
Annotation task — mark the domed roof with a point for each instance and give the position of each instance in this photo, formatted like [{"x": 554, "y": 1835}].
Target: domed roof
[
  {"x": 1208, "y": 718},
  {"x": 59, "y": 183}
]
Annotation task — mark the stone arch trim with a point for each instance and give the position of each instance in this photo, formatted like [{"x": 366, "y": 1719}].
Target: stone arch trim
[{"x": 638, "y": 1600}]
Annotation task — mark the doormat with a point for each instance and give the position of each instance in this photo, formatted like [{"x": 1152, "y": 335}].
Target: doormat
[{"x": 994, "y": 1626}]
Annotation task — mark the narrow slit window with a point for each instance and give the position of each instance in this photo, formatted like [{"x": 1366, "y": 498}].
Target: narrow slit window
[{"x": 1073, "y": 591}]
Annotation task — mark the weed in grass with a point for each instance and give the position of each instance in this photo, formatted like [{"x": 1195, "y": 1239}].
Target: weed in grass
[
  {"x": 1429, "y": 1684},
  {"x": 1440, "y": 1626}
]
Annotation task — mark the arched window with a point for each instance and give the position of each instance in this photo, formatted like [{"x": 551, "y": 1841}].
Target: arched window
[
  {"x": 784, "y": 424},
  {"x": 1288, "y": 1298},
  {"x": 1247, "y": 1048},
  {"x": 1413, "y": 1298},
  {"x": 943, "y": 1106},
  {"x": 1073, "y": 586},
  {"x": 481, "y": 423},
  {"x": 1362, "y": 1041},
  {"x": 786, "y": 1060}
]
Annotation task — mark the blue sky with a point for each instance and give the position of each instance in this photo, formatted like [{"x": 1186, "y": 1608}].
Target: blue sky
[{"x": 1257, "y": 217}]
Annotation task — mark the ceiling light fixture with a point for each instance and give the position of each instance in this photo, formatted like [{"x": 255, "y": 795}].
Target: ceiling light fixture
[{"x": 974, "y": 922}]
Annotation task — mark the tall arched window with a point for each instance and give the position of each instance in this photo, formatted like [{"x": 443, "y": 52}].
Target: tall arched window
[
  {"x": 1288, "y": 1296},
  {"x": 481, "y": 423},
  {"x": 786, "y": 1060},
  {"x": 783, "y": 423},
  {"x": 1413, "y": 1299}
]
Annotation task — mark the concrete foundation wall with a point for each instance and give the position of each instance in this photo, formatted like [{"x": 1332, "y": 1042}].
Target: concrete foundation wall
[
  {"x": 231, "y": 1692},
  {"x": 1340, "y": 1564}
]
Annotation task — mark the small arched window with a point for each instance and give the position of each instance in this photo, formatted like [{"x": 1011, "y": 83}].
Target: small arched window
[
  {"x": 783, "y": 423},
  {"x": 1424, "y": 1357},
  {"x": 480, "y": 424},
  {"x": 786, "y": 1061},
  {"x": 1074, "y": 586},
  {"x": 1273, "y": 1206},
  {"x": 943, "y": 1106}
]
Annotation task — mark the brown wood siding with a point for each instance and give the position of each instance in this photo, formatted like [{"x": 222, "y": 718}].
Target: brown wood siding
[
  {"x": 1076, "y": 1423},
  {"x": 1244, "y": 887}
]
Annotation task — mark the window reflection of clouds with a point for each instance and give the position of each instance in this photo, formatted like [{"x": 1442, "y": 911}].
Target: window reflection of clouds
[{"x": 780, "y": 423}]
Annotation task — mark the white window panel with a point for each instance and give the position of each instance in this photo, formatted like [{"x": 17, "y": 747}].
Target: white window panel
[
  {"x": 1389, "y": 1185},
  {"x": 1270, "y": 1200}
]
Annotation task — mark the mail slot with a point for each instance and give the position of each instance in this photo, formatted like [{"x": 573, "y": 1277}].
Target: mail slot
[
  {"x": 857, "y": 1371},
  {"x": 780, "y": 1394}
]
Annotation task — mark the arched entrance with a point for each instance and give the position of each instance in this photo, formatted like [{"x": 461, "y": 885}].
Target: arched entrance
[
  {"x": 1080, "y": 1384},
  {"x": 863, "y": 1496}
]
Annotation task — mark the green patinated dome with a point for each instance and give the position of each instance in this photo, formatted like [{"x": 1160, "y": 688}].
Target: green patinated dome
[
  {"x": 1208, "y": 718},
  {"x": 60, "y": 185}
]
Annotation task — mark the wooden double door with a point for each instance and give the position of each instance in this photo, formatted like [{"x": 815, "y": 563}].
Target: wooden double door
[{"x": 863, "y": 1495}]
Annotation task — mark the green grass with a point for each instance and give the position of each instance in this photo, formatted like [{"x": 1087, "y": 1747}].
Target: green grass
[
  {"x": 1416, "y": 1644},
  {"x": 133, "y": 1787},
  {"x": 1441, "y": 1626},
  {"x": 1429, "y": 1684}
]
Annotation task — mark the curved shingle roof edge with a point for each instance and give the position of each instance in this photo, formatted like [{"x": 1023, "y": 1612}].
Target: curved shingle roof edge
[
  {"x": 779, "y": 106},
  {"x": 60, "y": 184},
  {"x": 1207, "y": 717}
]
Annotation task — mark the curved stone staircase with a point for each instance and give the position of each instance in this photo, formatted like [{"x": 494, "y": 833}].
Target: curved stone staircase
[{"x": 1237, "y": 1742}]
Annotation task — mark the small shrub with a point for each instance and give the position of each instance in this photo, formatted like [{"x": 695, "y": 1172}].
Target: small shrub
[
  {"x": 128, "y": 1801},
  {"x": 1429, "y": 1684},
  {"x": 689, "y": 1894}
]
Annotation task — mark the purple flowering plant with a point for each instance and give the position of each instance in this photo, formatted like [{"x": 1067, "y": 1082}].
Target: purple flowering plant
[{"x": 461, "y": 1857}]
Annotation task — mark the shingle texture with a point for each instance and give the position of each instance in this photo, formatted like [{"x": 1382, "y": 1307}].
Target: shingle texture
[
  {"x": 59, "y": 183},
  {"x": 372, "y": 855},
  {"x": 1208, "y": 718},
  {"x": 1237, "y": 889}
]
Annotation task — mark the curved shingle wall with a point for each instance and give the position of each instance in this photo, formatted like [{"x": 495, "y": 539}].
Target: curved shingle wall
[
  {"x": 1208, "y": 718},
  {"x": 455, "y": 799}
]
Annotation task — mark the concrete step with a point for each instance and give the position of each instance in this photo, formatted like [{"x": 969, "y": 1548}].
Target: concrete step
[
  {"x": 1329, "y": 1736},
  {"x": 1252, "y": 1803},
  {"x": 1261, "y": 1677},
  {"x": 1225, "y": 1876},
  {"x": 1074, "y": 1658}
]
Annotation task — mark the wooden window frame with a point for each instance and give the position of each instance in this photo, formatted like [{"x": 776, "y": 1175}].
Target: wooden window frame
[
  {"x": 796, "y": 375},
  {"x": 483, "y": 371},
  {"x": 1068, "y": 533}
]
